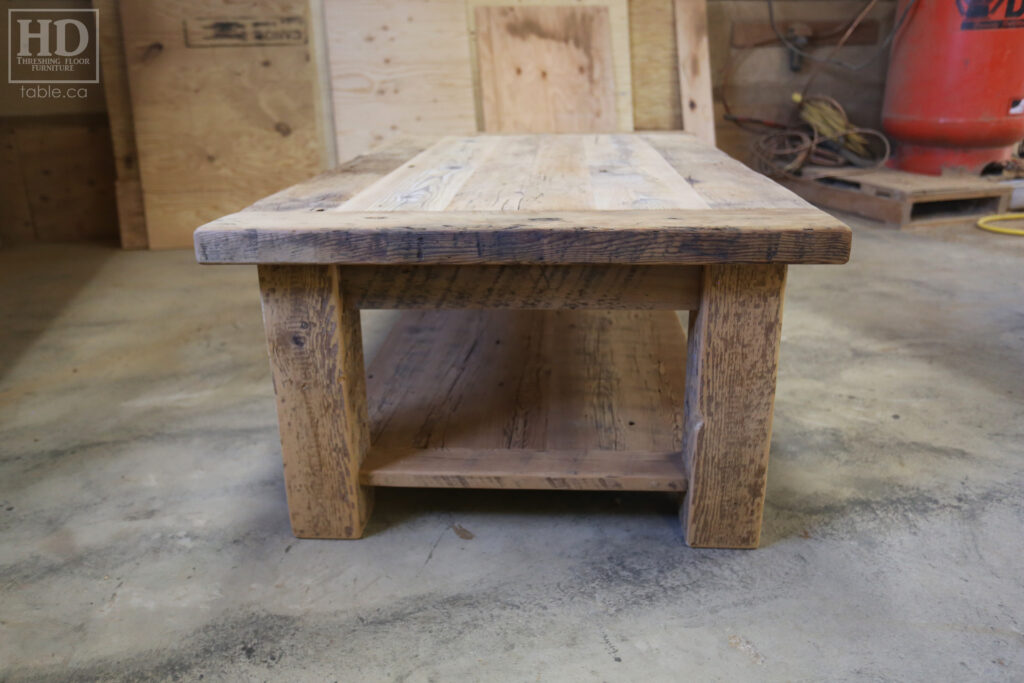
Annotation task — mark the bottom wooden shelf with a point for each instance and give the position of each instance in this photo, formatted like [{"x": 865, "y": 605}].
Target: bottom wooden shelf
[{"x": 589, "y": 400}]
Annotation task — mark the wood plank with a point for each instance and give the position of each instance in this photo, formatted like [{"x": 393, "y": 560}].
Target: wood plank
[
  {"x": 316, "y": 358},
  {"x": 335, "y": 187},
  {"x": 114, "y": 75},
  {"x": 131, "y": 213},
  {"x": 429, "y": 181},
  {"x": 654, "y": 67},
  {"x": 628, "y": 237},
  {"x": 523, "y": 287},
  {"x": 224, "y": 120},
  {"x": 397, "y": 68},
  {"x": 546, "y": 69},
  {"x": 556, "y": 382},
  {"x": 695, "y": 69},
  {"x": 627, "y": 173},
  {"x": 732, "y": 357},
  {"x": 717, "y": 178},
  {"x": 531, "y": 173},
  {"x": 526, "y": 469}
]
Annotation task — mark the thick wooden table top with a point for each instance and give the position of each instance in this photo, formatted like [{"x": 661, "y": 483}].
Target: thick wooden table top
[{"x": 639, "y": 198}]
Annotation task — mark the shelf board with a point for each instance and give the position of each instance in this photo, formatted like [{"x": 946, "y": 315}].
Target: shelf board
[
  {"x": 473, "y": 468},
  {"x": 589, "y": 400}
]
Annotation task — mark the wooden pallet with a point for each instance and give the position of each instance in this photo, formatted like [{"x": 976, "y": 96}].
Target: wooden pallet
[{"x": 900, "y": 199}]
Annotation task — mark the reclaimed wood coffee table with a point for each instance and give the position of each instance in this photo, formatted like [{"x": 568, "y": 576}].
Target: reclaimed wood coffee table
[{"x": 559, "y": 362}]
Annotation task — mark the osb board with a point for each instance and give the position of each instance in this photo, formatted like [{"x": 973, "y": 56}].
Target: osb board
[
  {"x": 761, "y": 84},
  {"x": 114, "y": 77},
  {"x": 654, "y": 66},
  {"x": 58, "y": 180},
  {"x": 557, "y": 40},
  {"x": 397, "y": 67},
  {"x": 222, "y": 109}
]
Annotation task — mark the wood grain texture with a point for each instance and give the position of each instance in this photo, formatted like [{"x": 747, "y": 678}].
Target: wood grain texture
[
  {"x": 732, "y": 357},
  {"x": 691, "y": 17},
  {"x": 524, "y": 287},
  {"x": 398, "y": 67},
  {"x": 504, "y": 468},
  {"x": 663, "y": 237},
  {"x": 656, "y": 198},
  {"x": 621, "y": 49},
  {"x": 553, "y": 383},
  {"x": 316, "y": 358},
  {"x": 131, "y": 217},
  {"x": 721, "y": 181},
  {"x": 16, "y": 225},
  {"x": 546, "y": 69},
  {"x": 216, "y": 127},
  {"x": 654, "y": 66},
  {"x": 335, "y": 187},
  {"x": 62, "y": 169}
]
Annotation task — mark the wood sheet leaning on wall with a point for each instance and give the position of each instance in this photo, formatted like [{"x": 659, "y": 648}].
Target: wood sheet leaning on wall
[{"x": 224, "y": 97}]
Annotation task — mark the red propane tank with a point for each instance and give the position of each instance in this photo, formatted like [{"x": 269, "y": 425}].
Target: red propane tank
[{"x": 954, "y": 97}]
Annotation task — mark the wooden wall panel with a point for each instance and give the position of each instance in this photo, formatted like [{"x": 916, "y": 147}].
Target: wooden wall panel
[
  {"x": 546, "y": 69},
  {"x": 58, "y": 180},
  {"x": 220, "y": 121},
  {"x": 15, "y": 213}
]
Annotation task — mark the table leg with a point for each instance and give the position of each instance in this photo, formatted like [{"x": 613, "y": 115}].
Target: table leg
[
  {"x": 733, "y": 351},
  {"x": 316, "y": 358}
]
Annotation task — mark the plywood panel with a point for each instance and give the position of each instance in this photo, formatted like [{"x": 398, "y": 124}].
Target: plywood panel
[
  {"x": 546, "y": 69},
  {"x": 397, "y": 67},
  {"x": 222, "y": 108},
  {"x": 618, "y": 13}
]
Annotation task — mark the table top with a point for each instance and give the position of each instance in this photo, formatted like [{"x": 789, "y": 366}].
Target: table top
[{"x": 631, "y": 198}]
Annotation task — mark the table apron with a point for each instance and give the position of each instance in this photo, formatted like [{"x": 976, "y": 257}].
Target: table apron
[{"x": 605, "y": 287}]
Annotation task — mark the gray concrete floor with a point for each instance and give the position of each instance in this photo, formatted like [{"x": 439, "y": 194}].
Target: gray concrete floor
[{"x": 144, "y": 534}]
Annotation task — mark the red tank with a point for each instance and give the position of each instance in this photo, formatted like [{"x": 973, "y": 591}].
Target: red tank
[{"x": 954, "y": 97}]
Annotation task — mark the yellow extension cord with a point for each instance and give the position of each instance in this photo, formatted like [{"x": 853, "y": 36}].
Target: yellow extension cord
[{"x": 986, "y": 223}]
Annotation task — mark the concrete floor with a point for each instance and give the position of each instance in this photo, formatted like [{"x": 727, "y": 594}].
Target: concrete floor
[{"x": 144, "y": 534}]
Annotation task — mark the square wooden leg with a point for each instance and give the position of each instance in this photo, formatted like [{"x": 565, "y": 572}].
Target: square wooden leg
[
  {"x": 733, "y": 351},
  {"x": 316, "y": 358}
]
